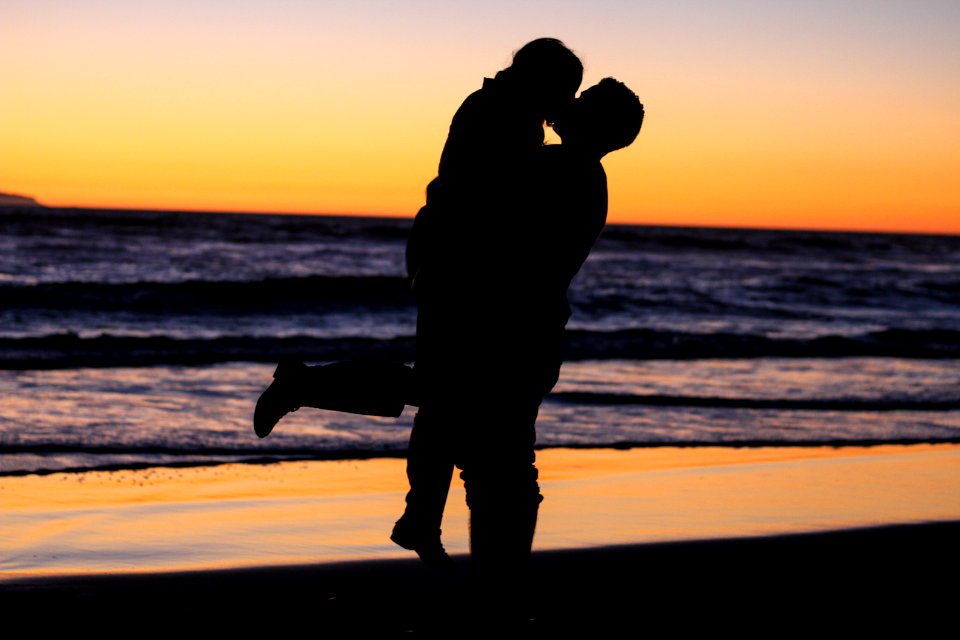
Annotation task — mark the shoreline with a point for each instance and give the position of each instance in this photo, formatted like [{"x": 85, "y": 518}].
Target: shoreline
[{"x": 356, "y": 455}]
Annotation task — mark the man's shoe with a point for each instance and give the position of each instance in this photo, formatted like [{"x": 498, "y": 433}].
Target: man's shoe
[{"x": 279, "y": 399}]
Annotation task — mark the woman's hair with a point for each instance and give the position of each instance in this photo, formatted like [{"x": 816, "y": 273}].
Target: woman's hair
[{"x": 547, "y": 56}]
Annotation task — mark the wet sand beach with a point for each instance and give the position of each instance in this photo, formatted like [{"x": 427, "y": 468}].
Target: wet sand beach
[{"x": 641, "y": 535}]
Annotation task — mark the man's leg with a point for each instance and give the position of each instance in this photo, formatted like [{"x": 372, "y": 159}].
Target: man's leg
[
  {"x": 500, "y": 476},
  {"x": 497, "y": 464}
]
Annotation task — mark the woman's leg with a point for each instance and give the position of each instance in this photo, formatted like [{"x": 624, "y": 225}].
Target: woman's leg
[
  {"x": 366, "y": 387},
  {"x": 429, "y": 471}
]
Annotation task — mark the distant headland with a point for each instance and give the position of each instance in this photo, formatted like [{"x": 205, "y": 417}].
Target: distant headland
[{"x": 14, "y": 200}]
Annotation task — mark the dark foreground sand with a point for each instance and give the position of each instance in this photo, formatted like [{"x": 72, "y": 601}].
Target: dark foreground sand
[{"x": 897, "y": 578}]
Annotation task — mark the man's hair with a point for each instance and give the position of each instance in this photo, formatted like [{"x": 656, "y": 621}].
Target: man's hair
[
  {"x": 547, "y": 56},
  {"x": 614, "y": 113}
]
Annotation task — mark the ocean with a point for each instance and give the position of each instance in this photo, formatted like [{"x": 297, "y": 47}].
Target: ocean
[{"x": 134, "y": 339}]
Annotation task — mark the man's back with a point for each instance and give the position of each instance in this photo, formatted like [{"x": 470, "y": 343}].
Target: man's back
[{"x": 565, "y": 217}]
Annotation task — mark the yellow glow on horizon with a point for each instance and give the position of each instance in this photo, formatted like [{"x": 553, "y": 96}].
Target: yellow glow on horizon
[{"x": 336, "y": 109}]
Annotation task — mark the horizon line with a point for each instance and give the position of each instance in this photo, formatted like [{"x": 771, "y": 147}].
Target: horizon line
[{"x": 405, "y": 216}]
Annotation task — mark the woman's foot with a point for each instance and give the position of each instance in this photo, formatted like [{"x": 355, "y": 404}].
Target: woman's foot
[
  {"x": 426, "y": 545},
  {"x": 280, "y": 398}
]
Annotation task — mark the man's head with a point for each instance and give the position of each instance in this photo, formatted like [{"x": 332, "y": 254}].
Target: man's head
[
  {"x": 605, "y": 117},
  {"x": 548, "y": 73}
]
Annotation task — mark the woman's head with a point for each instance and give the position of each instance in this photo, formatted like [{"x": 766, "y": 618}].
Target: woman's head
[
  {"x": 605, "y": 117},
  {"x": 548, "y": 73}
]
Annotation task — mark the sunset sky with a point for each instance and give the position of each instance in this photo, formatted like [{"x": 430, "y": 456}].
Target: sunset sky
[{"x": 805, "y": 113}]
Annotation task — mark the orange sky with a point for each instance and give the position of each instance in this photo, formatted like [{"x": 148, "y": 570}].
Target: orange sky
[{"x": 834, "y": 115}]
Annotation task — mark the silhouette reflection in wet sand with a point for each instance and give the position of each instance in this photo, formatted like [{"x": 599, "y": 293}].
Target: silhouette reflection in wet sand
[{"x": 507, "y": 225}]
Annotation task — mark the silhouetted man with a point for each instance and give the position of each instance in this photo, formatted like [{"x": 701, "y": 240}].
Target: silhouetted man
[
  {"x": 479, "y": 195},
  {"x": 490, "y": 334}
]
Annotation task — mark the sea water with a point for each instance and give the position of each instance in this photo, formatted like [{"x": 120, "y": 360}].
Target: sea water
[{"x": 132, "y": 338}]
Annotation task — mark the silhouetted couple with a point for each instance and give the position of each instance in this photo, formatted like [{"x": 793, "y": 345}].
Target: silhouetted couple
[{"x": 507, "y": 224}]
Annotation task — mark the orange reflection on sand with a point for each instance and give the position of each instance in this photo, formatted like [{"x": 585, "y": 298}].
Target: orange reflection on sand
[
  {"x": 246, "y": 515},
  {"x": 231, "y": 515},
  {"x": 227, "y": 483},
  {"x": 674, "y": 494}
]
